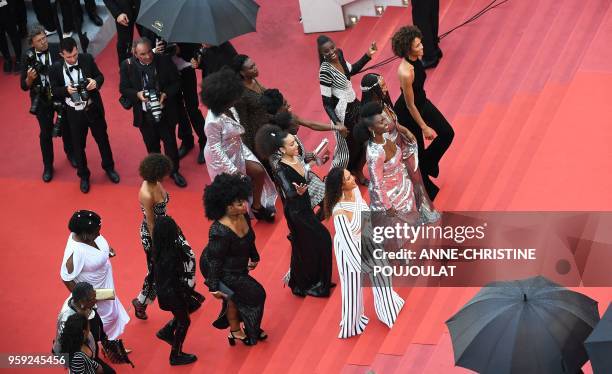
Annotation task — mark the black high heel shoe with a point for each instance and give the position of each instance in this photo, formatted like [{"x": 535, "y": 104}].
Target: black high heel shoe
[
  {"x": 263, "y": 214},
  {"x": 262, "y": 335},
  {"x": 232, "y": 339}
]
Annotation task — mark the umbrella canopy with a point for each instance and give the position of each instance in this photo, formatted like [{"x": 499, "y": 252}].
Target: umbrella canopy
[
  {"x": 523, "y": 327},
  {"x": 599, "y": 344},
  {"x": 198, "y": 21}
]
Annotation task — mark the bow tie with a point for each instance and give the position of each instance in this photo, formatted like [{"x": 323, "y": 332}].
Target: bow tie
[
  {"x": 41, "y": 53},
  {"x": 73, "y": 67}
]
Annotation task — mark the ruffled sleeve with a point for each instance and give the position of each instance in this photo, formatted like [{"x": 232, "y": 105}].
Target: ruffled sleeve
[{"x": 78, "y": 260}]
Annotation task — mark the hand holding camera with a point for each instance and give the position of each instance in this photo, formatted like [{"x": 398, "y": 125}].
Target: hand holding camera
[{"x": 92, "y": 85}]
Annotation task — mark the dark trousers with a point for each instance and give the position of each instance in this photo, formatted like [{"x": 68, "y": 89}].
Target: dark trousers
[
  {"x": 425, "y": 15},
  {"x": 153, "y": 133},
  {"x": 21, "y": 14},
  {"x": 79, "y": 123},
  {"x": 430, "y": 157},
  {"x": 8, "y": 26},
  {"x": 178, "y": 327},
  {"x": 44, "y": 14},
  {"x": 45, "y": 121},
  {"x": 189, "y": 113}
]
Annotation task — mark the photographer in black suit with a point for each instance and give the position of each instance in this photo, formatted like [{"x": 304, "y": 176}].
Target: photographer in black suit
[
  {"x": 77, "y": 81},
  {"x": 35, "y": 78},
  {"x": 151, "y": 83}
]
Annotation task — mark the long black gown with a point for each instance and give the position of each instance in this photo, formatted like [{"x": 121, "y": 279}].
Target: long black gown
[
  {"x": 430, "y": 157},
  {"x": 311, "y": 245},
  {"x": 225, "y": 259}
]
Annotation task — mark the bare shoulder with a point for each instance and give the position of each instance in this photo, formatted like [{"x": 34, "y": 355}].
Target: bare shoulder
[
  {"x": 145, "y": 195},
  {"x": 405, "y": 70}
]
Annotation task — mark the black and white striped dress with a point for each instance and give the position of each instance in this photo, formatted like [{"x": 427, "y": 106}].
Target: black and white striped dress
[
  {"x": 80, "y": 363},
  {"x": 341, "y": 104},
  {"x": 352, "y": 263}
]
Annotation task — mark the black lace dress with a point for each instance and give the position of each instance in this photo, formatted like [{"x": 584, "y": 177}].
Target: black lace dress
[
  {"x": 224, "y": 265},
  {"x": 311, "y": 245}
]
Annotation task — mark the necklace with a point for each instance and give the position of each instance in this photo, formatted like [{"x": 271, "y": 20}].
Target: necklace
[
  {"x": 292, "y": 163},
  {"x": 383, "y": 143}
]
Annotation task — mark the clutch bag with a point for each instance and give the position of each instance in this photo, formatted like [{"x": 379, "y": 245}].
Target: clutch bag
[{"x": 105, "y": 294}]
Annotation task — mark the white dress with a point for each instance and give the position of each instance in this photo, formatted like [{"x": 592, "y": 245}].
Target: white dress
[
  {"x": 352, "y": 263},
  {"x": 92, "y": 265}
]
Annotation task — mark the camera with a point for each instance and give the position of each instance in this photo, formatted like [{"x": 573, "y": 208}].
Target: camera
[
  {"x": 81, "y": 95},
  {"x": 37, "y": 89},
  {"x": 32, "y": 62},
  {"x": 59, "y": 108},
  {"x": 170, "y": 49},
  {"x": 153, "y": 105}
]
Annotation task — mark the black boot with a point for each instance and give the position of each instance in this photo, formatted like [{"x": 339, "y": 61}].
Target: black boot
[
  {"x": 177, "y": 356},
  {"x": 166, "y": 333}
]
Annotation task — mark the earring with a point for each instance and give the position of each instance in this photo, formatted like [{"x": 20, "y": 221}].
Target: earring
[{"x": 373, "y": 135}]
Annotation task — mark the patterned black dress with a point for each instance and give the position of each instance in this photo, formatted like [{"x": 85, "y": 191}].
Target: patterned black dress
[
  {"x": 148, "y": 293},
  {"x": 224, "y": 265}
]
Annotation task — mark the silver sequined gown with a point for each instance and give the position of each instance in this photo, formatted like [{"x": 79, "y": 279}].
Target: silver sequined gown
[
  {"x": 390, "y": 186},
  {"x": 410, "y": 158},
  {"x": 225, "y": 153}
]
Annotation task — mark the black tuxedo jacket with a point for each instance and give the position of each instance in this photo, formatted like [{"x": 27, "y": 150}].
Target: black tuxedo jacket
[
  {"x": 168, "y": 82},
  {"x": 129, "y": 7},
  {"x": 89, "y": 69},
  {"x": 53, "y": 52}
]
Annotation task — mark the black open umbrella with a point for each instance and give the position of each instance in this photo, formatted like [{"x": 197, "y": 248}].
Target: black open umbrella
[
  {"x": 599, "y": 344},
  {"x": 198, "y": 21},
  {"x": 530, "y": 326}
]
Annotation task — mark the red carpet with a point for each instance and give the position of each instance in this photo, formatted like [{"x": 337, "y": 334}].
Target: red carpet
[{"x": 526, "y": 87}]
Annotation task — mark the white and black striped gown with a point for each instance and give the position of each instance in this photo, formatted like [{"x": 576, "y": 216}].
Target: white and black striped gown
[
  {"x": 347, "y": 247},
  {"x": 341, "y": 105}
]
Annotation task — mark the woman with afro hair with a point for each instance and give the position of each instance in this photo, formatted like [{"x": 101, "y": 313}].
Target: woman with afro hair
[
  {"x": 229, "y": 257},
  {"x": 224, "y": 151}
]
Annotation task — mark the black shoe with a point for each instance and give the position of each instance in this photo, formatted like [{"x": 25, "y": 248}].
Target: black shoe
[
  {"x": 95, "y": 18},
  {"x": 318, "y": 290},
  {"x": 140, "y": 309},
  {"x": 72, "y": 161},
  {"x": 84, "y": 185},
  {"x": 8, "y": 66},
  {"x": 47, "y": 174},
  {"x": 179, "y": 180},
  {"x": 430, "y": 64},
  {"x": 17, "y": 66},
  {"x": 113, "y": 176},
  {"x": 165, "y": 335},
  {"x": 201, "y": 158},
  {"x": 184, "y": 149},
  {"x": 232, "y": 339},
  {"x": 182, "y": 358},
  {"x": 263, "y": 214},
  {"x": 298, "y": 292}
]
